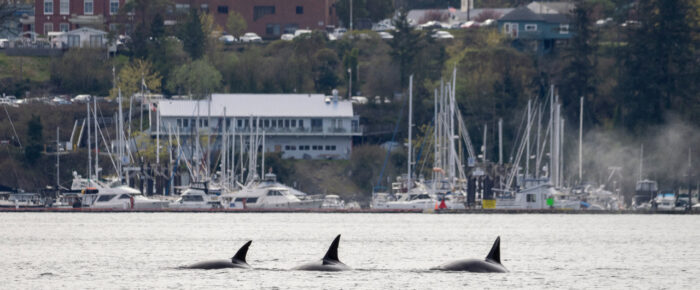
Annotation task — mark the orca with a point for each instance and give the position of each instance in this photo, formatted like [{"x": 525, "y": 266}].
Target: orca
[
  {"x": 237, "y": 261},
  {"x": 329, "y": 262},
  {"x": 492, "y": 263}
]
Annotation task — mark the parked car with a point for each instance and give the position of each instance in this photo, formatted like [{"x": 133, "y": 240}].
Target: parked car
[
  {"x": 227, "y": 39},
  {"x": 4, "y": 43},
  {"x": 385, "y": 35},
  {"x": 470, "y": 24},
  {"x": 301, "y": 32},
  {"x": 287, "y": 36},
  {"x": 250, "y": 37},
  {"x": 440, "y": 34}
]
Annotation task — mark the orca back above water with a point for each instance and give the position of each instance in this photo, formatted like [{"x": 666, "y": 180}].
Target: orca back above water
[
  {"x": 492, "y": 263},
  {"x": 330, "y": 261},
  {"x": 237, "y": 261}
]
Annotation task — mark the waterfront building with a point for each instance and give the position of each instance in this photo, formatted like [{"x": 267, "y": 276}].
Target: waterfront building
[
  {"x": 308, "y": 126},
  {"x": 267, "y": 18}
]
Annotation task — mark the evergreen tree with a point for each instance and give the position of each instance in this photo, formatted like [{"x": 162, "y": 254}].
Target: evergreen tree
[
  {"x": 192, "y": 36},
  {"x": 579, "y": 75},
  {"x": 405, "y": 46},
  {"x": 35, "y": 136},
  {"x": 658, "y": 68}
]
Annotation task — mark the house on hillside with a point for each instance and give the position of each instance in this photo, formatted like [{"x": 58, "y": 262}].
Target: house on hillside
[
  {"x": 537, "y": 32},
  {"x": 84, "y": 37}
]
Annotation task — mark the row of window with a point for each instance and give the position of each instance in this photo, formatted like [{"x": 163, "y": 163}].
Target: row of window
[
  {"x": 88, "y": 7},
  {"x": 262, "y": 123},
  {"x": 309, "y": 147}
]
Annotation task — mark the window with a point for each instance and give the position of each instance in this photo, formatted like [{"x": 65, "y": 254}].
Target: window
[
  {"x": 266, "y": 123},
  {"x": 48, "y": 7},
  {"x": 506, "y": 28},
  {"x": 260, "y": 11},
  {"x": 300, "y": 9},
  {"x": 95, "y": 41},
  {"x": 73, "y": 40},
  {"x": 65, "y": 7},
  {"x": 63, "y": 27},
  {"x": 240, "y": 123},
  {"x": 531, "y": 197},
  {"x": 279, "y": 123},
  {"x": 330, "y": 147},
  {"x": 124, "y": 196},
  {"x": 179, "y": 122},
  {"x": 530, "y": 27},
  {"x": 88, "y": 7},
  {"x": 301, "y": 123},
  {"x": 294, "y": 123},
  {"x": 185, "y": 122},
  {"x": 113, "y": 7},
  {"x": 222, "y": 9},
  {"x": 106, "y": 197},
  {"x": 564, "y": 28},
  {"x": 48, "y": 27},
  {"x": 272, "y": 29},
  {"x": 286, "y": 123}
]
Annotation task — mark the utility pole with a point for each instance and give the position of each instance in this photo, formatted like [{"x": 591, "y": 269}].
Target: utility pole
[
  {"x": 580, "y": 144},
  {"x": 350, "y": 86}
]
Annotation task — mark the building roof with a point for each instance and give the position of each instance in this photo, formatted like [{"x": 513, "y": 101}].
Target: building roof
[
  {"x": 523, "y": 13},
  {"x": 552, "y": 7},
  {"x": 416, "y": 15},
  {"x": 259, "y": 105}
]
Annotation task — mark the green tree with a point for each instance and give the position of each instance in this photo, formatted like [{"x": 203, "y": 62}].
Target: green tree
[
  {"x": 131, "y": 76},
  {"x": 192, "y": 36},
  {"x": 350, "y": 61},
  {"x": 35, "y": 139},
  {"x": 197, "y": 79},
  {"x": 235, "y": 24},
  {"x": 405, "y": 46},
  {"x": 658, "y": 68},
  {"x": 579, "y": 74},
  {"x": 325, "y": 68}
]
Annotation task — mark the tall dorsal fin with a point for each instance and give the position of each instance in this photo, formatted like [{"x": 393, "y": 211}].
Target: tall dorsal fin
[
  {"x": 240, "y": 255},
  {"x": 332, "y": 254},
  {"x": 495, "y": 253}
]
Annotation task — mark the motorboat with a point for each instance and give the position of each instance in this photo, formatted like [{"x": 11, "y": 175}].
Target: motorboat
[
  {"x": 199, "y": 196},
  {"x": 534, "y": 197},
  {"x": 333, "y": 201},
  {"x": 664, "y": 201},
  {"x": 20, "y": 200},
  {"x": 645, "y": 191},
  {"x": 269, "y": 194}
]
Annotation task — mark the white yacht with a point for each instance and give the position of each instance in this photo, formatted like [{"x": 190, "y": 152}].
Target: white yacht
[
  {"x": 534, "y": 197},
  {"x": 665, "y": 201},
  {"x": 97, "y": 194},
  {"x": 198, "y": 196},
  {"x": 20, "y": 200},
  {"x": 268, "y": 194},
  {"x": 333, "y": 201}
]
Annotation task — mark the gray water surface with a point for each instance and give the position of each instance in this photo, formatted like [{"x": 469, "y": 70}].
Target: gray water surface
[{"x": 387, "y": 251}]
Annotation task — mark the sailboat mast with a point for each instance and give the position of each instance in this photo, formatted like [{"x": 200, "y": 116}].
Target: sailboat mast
[
  {"x": 410, "y": 121},
  {"x": 58, "y": 160},
  {"x": 580, "y": 144},
  {"x": 527, "y": 149},
  {"x": 97, "y": 146},
  {"x": 120, "y": 135},
  {"x": 89, "y": 164}
]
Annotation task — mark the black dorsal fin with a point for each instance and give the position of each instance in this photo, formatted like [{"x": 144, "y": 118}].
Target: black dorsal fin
[
  {"x": 495, "y": 253},
  {"x": 332, "y": 254},
  {"x": 240, "y": 255}
]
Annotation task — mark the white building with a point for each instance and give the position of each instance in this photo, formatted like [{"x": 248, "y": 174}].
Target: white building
[{"x": 298, "y": 125}]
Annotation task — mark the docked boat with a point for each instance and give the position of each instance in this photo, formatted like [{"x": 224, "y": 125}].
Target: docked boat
[
  {"x": 20, "y": 199},
  {"x": 644, "y": 192},
  {"x": 199, "y": 196},
  {"x": 333, "y": 201},
  {"x": 104, "y": 195},
  {"x": 268, "y": 194}
]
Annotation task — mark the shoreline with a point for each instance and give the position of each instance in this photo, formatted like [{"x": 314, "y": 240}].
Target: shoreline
[{"x": 353, "y": 211}]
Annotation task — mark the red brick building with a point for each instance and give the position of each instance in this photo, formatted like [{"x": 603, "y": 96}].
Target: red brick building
[{"x": 267, "y": 18}]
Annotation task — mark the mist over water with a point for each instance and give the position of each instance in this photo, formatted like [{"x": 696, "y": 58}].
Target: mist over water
[
  {"x": 387, "y": 251},
  {"x": 666, "y": 156}
]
